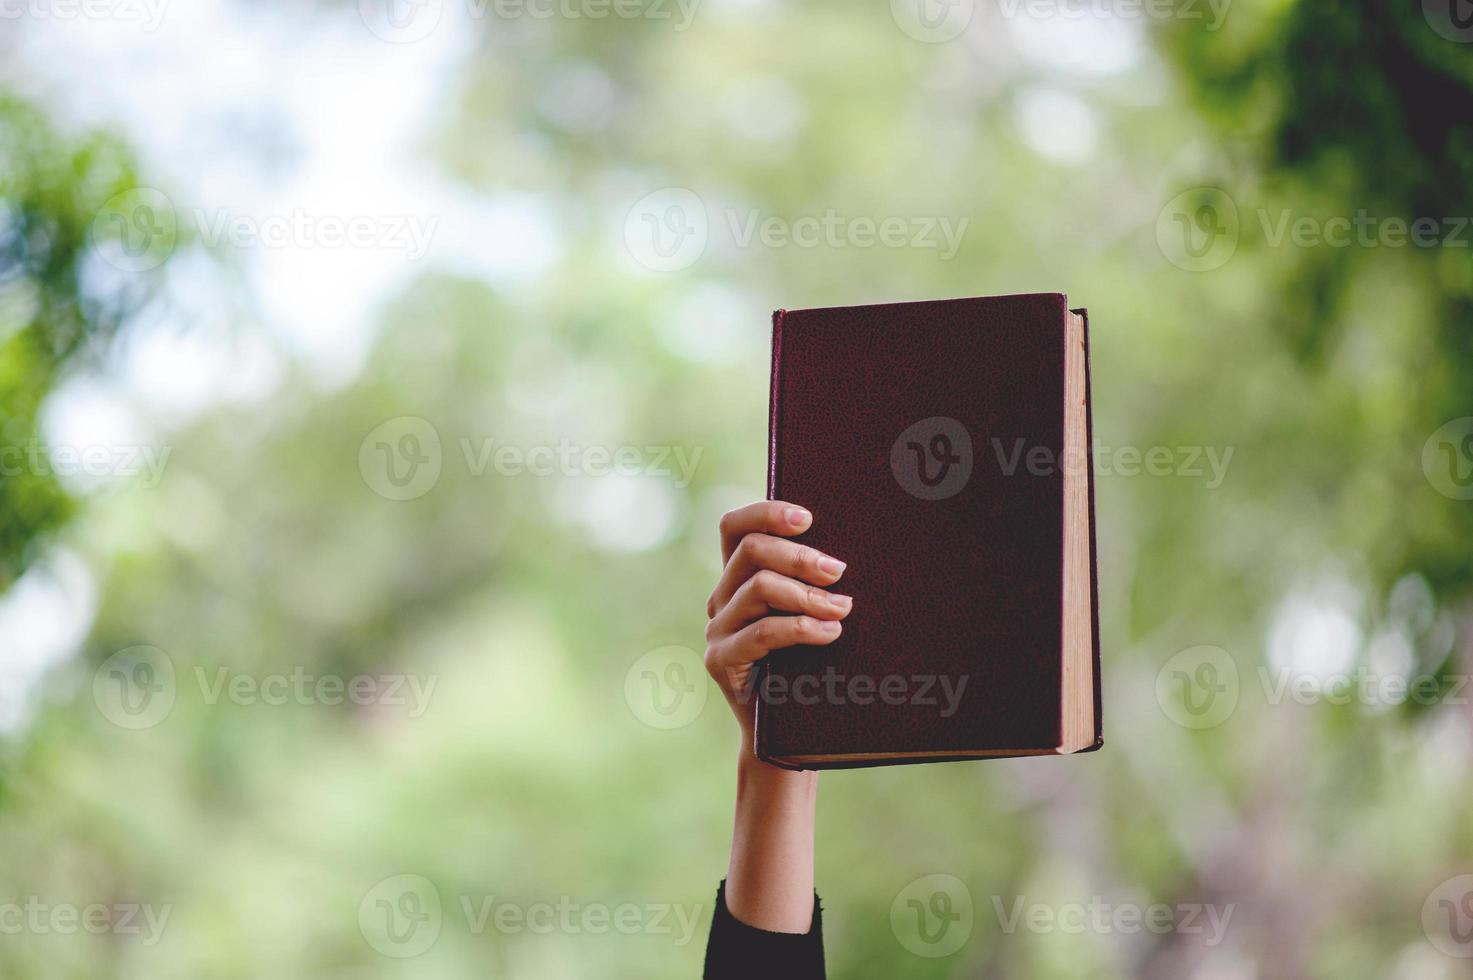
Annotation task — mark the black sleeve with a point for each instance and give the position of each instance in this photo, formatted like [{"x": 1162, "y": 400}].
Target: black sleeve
[{"x": 737, "y": 951}]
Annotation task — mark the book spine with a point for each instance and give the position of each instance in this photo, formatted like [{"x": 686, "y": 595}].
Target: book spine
[
  {"x": 774, "y": 405},
  {"x": 774, "y": 487}
]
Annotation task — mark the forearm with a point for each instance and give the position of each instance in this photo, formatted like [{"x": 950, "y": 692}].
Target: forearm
[{"x": 769, "y": 883}]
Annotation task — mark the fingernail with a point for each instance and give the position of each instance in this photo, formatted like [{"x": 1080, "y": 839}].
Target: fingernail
[
  {"x": 798, "y": 517},
  {"x": 840, "y": 601},
  {"x": 832, "y": 566},
  {"x": 828, "y": 626}
]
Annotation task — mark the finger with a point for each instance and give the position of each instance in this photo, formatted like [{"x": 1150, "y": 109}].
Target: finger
[
  {"x": 757, "y": 551},
  {"x": 757, "y": 640},
  {"x": 770, "y": 516},
  {"x": 768, "y": 592}
]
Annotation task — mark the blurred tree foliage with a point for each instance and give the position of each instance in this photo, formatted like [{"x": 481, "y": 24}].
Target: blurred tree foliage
[
  {"x": 1363, "y": 108},
  {"x": 57, "y": 303},
  {"x": 266, "y": 550}
]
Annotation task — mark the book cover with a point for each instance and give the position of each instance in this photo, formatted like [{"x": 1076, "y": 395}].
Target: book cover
[{"x": 944, "y": 450}]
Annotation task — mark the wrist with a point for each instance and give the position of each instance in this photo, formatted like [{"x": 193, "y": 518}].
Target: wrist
[{"x": 753, "y": 773}]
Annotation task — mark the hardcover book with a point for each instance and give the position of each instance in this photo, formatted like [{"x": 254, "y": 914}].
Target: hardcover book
[{"x": 944, "y": 451}]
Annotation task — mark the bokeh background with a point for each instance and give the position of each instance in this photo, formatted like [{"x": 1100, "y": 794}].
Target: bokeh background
[{"x": 373, "y": 377}]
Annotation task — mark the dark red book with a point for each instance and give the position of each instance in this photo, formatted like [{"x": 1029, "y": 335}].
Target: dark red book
[{"x": 944, "y": 450}]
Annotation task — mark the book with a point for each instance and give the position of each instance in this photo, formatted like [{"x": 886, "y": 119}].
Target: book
[{"x": 944, "y": 450}]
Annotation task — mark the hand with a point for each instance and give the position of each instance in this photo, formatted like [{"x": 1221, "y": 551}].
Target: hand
[{"x": 764, "y": 576}]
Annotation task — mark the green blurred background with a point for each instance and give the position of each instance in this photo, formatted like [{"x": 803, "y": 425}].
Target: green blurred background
[{"x": 250, "y": 464}]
